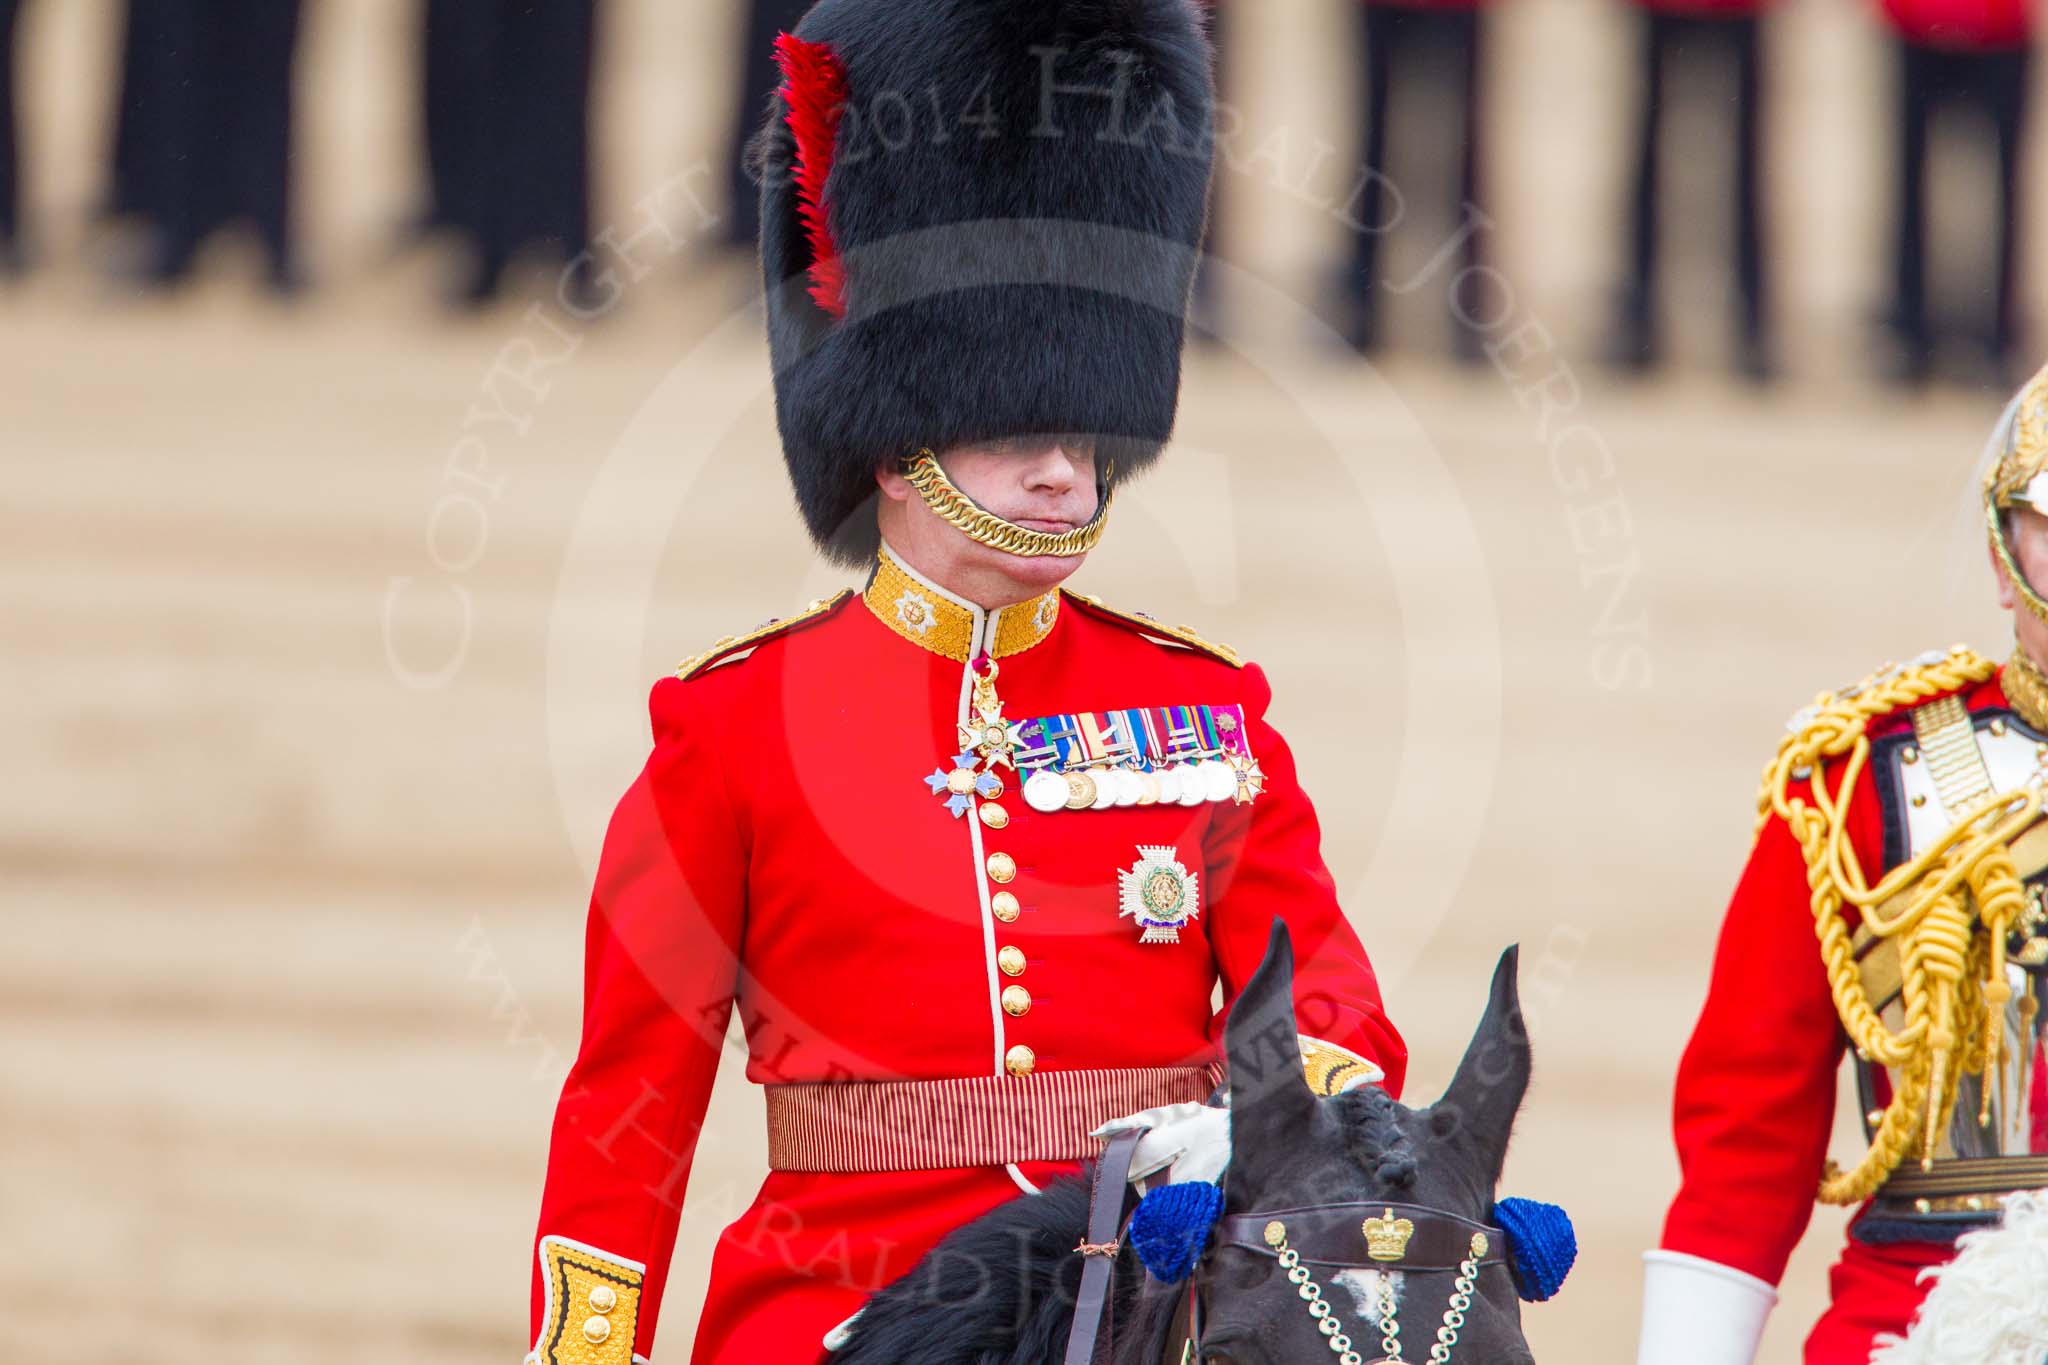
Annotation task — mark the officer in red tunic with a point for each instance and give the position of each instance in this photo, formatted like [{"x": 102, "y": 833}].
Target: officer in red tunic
[
  {"x": 968, "y": 852},
  {"x": 1893, "y": 905}
]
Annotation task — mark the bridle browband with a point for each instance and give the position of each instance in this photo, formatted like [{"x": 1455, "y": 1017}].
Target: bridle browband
[{"x": 1412, "y": 1239}]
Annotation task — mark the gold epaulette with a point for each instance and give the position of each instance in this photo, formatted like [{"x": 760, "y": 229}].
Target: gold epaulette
[
  {"x": 724, "y": 649},
  {"x": 1146, "y": 625}
]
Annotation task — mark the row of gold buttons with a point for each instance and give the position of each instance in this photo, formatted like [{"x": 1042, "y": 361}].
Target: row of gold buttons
[
  {"x": 1016, "y": 1001},
  {"x": 598, "y": 1327}
]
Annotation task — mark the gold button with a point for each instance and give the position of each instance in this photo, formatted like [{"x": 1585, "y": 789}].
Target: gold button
[
  {"x": 1874, "y": 1117},
  {"x": 994, "y": 816},
  {"x": 1002, "y": 867},
  {"x": 1005, "y": 906},
  {"x": 1011, "y": 960},
  {"x": 1019, "y": 1060},
  {"x": 1016, "y": 1001},
  {"x": 595, "y": 1330},
  {"x": 1923, "y": 1206},
  {"x": 1975, "y": 1203},
  {"x": 603, "y": 1299},
  {"x": 1919, "y": 799},
  {"x": 1998, "y": 727},
  {"x": 1911, "y": 755},
  {"x": 991, "y": 786}
]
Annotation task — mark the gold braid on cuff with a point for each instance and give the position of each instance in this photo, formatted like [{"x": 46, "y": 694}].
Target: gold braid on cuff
[{"x": 984, "y": 527}]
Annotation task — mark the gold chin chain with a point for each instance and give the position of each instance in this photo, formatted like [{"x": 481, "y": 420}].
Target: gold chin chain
[
  {"x": 984, "y": 527},
  {"x": 2026, "y": 687}
]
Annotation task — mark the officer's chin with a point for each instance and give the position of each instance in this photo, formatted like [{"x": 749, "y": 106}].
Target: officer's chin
[{"x": 1034, "y": 574}]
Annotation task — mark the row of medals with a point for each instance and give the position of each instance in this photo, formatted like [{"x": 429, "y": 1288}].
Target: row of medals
[{"x": 1184, "y": 784}]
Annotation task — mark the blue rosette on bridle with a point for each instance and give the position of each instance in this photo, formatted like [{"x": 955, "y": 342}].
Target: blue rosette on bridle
[
  {"x": 1171, "y": 1228},
  {"x": 1541, "y": 1246}
]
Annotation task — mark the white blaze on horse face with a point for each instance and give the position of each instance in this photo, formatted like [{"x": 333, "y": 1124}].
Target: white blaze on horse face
[{"x": 1368, "y": 1290}]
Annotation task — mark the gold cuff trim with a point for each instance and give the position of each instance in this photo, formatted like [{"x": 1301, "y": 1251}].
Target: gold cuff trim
[
  {"x": 1332, "y": 1070},
  {"x": 593, "y": 1305},
  {"x": 931, "y": 618},
  {"x": 984, "y": 527}
]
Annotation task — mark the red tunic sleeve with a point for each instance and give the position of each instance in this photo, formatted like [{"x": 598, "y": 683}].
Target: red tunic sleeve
[
  {"x": 1755, "y": 1096},
  {"x": 1265, "y": 861},
  {"x": 666, "y": 915}
]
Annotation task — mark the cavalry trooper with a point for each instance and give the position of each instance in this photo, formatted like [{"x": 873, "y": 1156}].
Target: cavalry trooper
[
  {"x": 1893, "y": 904},
  {"x": 969, "y": 852}
]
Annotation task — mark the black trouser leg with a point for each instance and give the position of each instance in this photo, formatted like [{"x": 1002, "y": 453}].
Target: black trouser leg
[
  {"x": 256, "y": 44},
  {"x": 765, "y": 21},
  {"x": 10, "y": 206},
  {"x": 2006, "y": 84},
  {"x": 176, "y": 188},
  {"x": 1378, "y": 26},
  {"x": 1751, "y": 285},
  {"x": 1636, "y": 342},
  {"x": 1471, "y": 303},
  {"x": 1909, "y": 288}
]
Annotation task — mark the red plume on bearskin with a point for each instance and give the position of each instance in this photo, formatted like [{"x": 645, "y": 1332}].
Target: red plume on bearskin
[{"x": 814, "y": 88}]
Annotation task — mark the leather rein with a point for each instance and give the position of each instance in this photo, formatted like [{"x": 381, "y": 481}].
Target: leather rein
[{"x": 1412, "y": 1239}]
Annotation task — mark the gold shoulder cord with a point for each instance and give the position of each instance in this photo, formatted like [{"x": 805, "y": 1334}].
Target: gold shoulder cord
[
  {"x": 729, "y": 645},
  {"x": 1955, "y": 989},
  {"x": 984, "y": 527}
]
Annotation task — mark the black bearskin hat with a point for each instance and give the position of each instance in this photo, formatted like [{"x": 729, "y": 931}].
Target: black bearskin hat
[{"x": 980, "y": 219}]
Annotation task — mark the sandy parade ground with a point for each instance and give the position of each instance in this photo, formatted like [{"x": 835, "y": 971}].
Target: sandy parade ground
[{"x": 326, "y": 628}]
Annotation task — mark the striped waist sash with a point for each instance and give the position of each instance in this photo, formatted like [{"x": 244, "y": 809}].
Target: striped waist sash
[{"x": 854, "y": 1126}]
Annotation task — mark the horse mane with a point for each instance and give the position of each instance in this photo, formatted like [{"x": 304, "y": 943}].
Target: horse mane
[
  {"x": 1375, "y": 1138},
  {"x": 1007, "y": 1281}
]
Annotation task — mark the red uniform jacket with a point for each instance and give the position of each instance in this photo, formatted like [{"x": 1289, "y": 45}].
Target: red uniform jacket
[
  {"x": 1755, "y": 1098},
  {"x": 782, "y": 851}
]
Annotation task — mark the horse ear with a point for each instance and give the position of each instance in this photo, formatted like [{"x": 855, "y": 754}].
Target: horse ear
[
  {"x": 1487, "y": 1091},
  {"x": 1270, "y": 1101}
]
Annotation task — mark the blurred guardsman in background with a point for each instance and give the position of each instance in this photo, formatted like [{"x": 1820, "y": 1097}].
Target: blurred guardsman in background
[
  {"x": 10, "y": 191},
  {"x": 1893, "y": 900},
  {"x": 968, "y": 851},
  {"x": 1679, "y": 38},
  {"x": 506, "y": 115},
  {"x": 1957, "y": 54},
  {"x": 1435, "y": 46},
  {"x": 203, "y": 138}
]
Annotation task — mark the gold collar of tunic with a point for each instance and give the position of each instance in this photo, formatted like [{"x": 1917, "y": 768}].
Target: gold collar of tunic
[{"x": 931, "y": 618}]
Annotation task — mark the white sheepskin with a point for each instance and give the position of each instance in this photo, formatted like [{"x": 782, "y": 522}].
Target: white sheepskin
[{"x": 1989, "y": 1306}]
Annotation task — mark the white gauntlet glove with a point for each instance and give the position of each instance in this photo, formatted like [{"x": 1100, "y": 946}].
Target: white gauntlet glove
[{"x": 1700, "y": 1312}]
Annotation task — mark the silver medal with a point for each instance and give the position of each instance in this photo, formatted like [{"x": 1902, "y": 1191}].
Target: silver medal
[
  {"x": 1192, "y": 792},
  {"x": 1045, "y": 791},
  {"x": 1219, "y": 783},
  {"x": 1169, "y": 785},
  {"x": 1128, "y": 788},
  {"x": 1105, "y": 788}
]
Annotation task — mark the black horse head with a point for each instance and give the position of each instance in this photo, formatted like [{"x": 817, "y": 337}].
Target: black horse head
[
  {"x": 1291, "y": 1149},
  {"x": 1001, "y": 1291}
]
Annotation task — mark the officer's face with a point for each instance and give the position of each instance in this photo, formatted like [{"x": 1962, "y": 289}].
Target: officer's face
[
  {"x": 2028, "y": 535},
  {"x": 1044, "y": 483}
]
